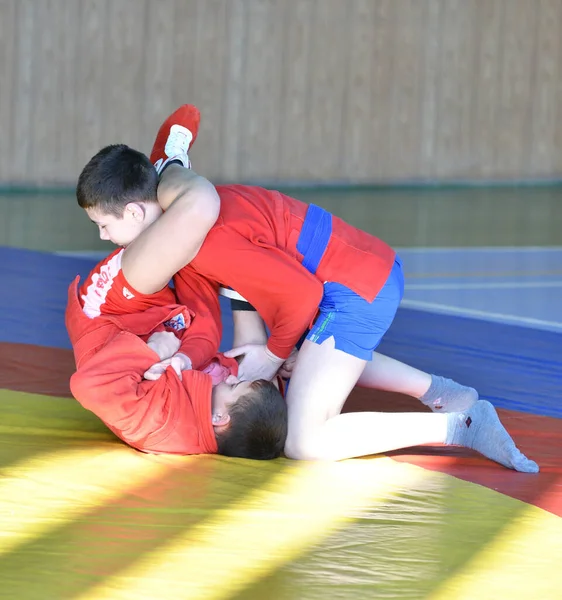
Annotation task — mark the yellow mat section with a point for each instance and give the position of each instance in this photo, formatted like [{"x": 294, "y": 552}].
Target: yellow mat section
[{"x": 84, "y": 517}]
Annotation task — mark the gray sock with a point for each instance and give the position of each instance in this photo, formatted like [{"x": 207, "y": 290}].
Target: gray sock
[
  {"x": 480, "y": 428},
  {"x": 446, "y": 395}
]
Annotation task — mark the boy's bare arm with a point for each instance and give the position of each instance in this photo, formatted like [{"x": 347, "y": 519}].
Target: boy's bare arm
[
  {"x": 192, "y": 207},
  {"x": 249, "y": 328}
]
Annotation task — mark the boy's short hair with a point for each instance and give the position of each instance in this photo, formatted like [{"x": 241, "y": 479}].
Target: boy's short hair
[
  {"x": 258, "y": 424},
  {"x": 115, "y": 176}
]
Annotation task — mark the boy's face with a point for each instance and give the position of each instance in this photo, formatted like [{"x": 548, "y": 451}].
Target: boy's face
[
  {"x": 224, "y": 396},
  {"x": 122, "y": 231}
]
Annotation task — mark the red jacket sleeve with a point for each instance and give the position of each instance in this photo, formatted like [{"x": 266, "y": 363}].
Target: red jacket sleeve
[
  {"x": 202, "y": 338},
  {"x": 284, "y": 293},
  {"x": 153, "y": 416}
]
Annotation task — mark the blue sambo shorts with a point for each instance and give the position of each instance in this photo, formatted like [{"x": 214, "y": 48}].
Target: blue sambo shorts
[{"x": 356, "y": 325}]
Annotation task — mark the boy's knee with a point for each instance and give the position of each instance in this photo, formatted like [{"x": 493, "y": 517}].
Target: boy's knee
[{"x": 297, "y": 449}]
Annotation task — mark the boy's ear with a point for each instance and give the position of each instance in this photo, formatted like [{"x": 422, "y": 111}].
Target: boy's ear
[
  {"x": 135, "y": 210},
  {"x": 220, "y": 421}
]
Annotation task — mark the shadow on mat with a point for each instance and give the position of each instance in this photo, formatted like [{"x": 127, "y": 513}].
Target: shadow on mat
[{"x": 71, "y": 558}]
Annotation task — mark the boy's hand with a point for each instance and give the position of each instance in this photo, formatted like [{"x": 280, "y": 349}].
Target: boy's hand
[
  {"x": 179, "y": 362},
  {"x": 257, "y": 362},
  {"x": 287, "y": 367},
  {"x": 164, "y": 343}
]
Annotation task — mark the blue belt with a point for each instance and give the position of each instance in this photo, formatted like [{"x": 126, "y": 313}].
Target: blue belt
[{"x": 314, "y": 237}]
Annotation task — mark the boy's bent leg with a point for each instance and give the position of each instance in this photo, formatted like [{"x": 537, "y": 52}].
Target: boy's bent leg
[
  {"x": 479, "y": 428},
  {"x": 385, "y": 373},
  {"x": 438, "y": 393},
  {"x": 321, "y": 382}
]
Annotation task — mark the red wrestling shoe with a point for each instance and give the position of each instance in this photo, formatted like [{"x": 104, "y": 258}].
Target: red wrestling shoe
[{"x": 175, "y": 137}]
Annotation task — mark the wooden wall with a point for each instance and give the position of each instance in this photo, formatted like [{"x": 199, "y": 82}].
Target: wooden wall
[{"x": 309, "y": 90}]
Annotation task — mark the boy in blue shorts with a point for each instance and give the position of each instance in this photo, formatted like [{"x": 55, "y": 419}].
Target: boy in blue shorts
[{"x": 351, "y": 286}]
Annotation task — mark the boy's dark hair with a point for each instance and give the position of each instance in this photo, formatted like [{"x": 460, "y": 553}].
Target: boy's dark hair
[
  {"x": 115, "y": 176},
  {"x": 258, "y": 424}
]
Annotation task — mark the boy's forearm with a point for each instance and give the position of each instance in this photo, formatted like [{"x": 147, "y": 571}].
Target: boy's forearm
[
  {"x": 249, "y": 328},
  {"x": 174, "y": 239},
  {"x": 193, "y": 202}
]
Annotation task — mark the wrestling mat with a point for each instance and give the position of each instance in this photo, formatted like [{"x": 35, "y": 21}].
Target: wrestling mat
[{"x": 82, "y": 516}]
